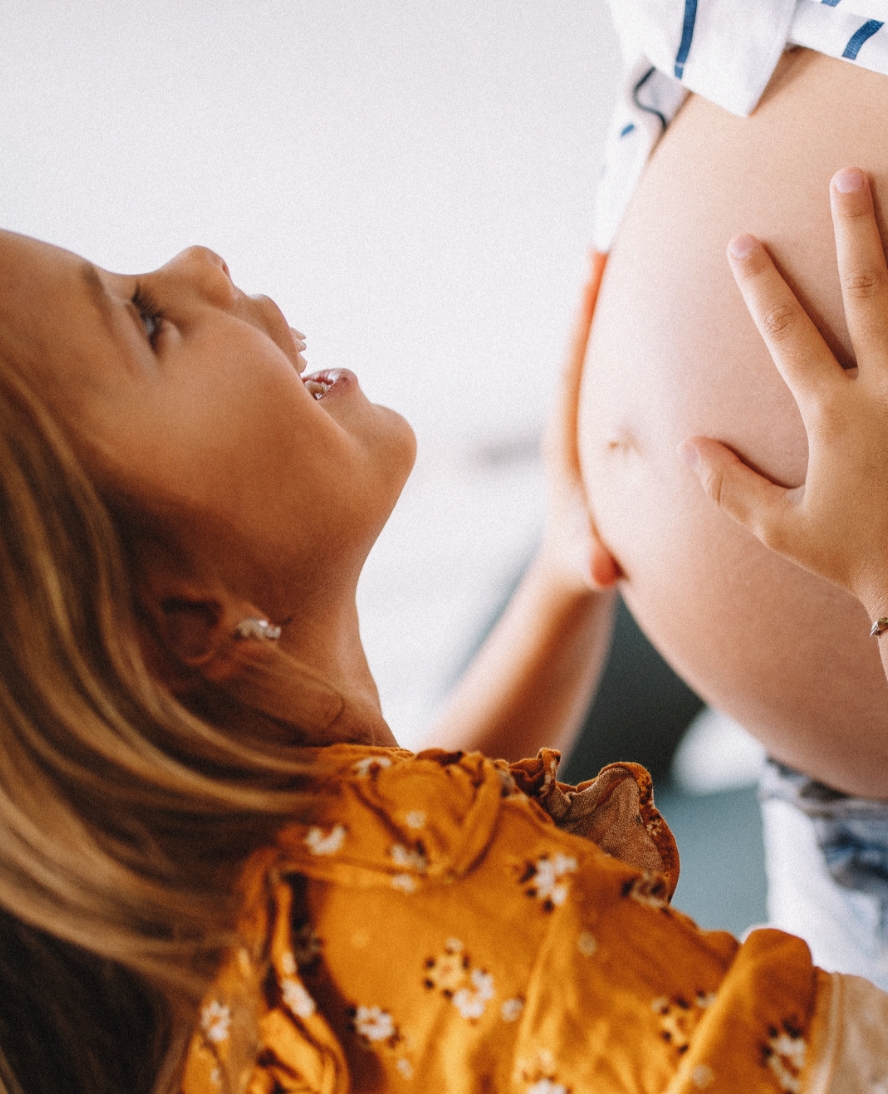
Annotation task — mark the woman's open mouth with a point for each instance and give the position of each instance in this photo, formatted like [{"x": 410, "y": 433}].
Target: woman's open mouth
[
  {"x": 316, "y": 388},
  {"x": 318, "y": 384}
]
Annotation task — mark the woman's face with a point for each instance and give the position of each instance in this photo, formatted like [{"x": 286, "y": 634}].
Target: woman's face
[{"x": 186, "y": 395}]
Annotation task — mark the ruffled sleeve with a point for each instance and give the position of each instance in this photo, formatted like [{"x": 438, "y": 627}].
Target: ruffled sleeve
[
  {"x": 614, "y": 810},
  {"x": 439, "y": 925}
]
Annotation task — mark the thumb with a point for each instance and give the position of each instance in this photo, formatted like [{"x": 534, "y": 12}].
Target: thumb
[{"x": 747, "y": 496}]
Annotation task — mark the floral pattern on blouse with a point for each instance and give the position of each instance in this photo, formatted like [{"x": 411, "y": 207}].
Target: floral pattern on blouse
[
  {"x": 321, "y": 842},
  {"x": 679, "y": 1016},
  {"x": 468, "y": 989},
  {"x": 431, "y": 927},
  {"x": 785, "y": 1053},
  {"x": 215, "y": 1019},
  {"x": 547, "y": 879},
  {"x": 541, "y": 1076}
]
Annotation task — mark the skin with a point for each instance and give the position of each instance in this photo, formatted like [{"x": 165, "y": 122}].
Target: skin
[
  {"x": 247, "y": 497},
  {"x": 266, "y": 500},
  {"x": 674, "y": 354},
  {"x": 836, "y": 523},
  {"x": 291, "y": 491}
]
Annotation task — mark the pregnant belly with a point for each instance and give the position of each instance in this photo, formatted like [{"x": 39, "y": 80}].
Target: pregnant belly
[{"x": 674, "y": 353}]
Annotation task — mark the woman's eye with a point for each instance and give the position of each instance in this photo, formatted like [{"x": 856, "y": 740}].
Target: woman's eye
[{"x": 149, "y": 312}]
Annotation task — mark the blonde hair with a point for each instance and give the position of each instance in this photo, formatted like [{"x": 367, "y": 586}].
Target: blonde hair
[{"x": 124, "y": 818}]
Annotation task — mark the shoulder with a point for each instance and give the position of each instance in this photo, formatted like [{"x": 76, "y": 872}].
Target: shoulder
[{"x": 382, "y": 816}]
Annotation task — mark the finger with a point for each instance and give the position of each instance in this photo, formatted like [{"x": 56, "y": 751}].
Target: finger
[
  {"x": 796, "y": 346},
  {"x": 861, "y": 257},
  {"x": 756, "y": 502}
]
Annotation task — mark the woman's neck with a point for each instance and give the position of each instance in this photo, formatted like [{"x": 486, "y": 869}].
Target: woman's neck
[{"x": 332, "y": 648}]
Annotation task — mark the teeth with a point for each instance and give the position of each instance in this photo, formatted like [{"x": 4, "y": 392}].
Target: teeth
[{"x": 315, "y": 388}]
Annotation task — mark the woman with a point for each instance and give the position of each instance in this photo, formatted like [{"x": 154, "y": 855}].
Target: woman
[
  {"x": 673, "y": 353},
  {"x": 783, "y": 652},
  {"x": 217, "y": 871}
]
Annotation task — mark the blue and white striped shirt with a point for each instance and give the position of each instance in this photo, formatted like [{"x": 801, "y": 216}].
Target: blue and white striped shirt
[{"x": 724, "y": 50}]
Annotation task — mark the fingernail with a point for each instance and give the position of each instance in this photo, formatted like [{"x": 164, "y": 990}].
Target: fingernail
[
  {"x": 848, "y": 180},
  {"x": 741, "y": 246},
  {"x": 689, "y": 454}
]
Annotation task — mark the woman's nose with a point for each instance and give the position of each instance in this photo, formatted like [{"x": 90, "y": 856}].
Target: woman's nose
[{"x": 201, "y": 269}]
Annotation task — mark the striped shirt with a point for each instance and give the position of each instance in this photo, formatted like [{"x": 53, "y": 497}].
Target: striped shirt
[{"x": 724, "y": 50}]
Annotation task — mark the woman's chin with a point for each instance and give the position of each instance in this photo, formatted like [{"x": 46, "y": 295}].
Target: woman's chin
[{"x": 403, "y": 450}]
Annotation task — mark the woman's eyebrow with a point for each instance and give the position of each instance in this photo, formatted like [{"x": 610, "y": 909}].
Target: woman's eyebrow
[
  {"x": 103, "y": 302},
  {"x": 98, "y": 296}
]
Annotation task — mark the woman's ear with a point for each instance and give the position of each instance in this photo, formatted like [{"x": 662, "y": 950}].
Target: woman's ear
[
  {"x": 189, "y": 626},
  {"x": 193, "y": 636}
]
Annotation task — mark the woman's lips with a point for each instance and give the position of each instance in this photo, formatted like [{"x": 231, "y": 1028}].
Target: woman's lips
[{"x": 320, "y": 385}]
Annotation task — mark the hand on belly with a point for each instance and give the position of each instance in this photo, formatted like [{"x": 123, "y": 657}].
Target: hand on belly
[{"x": 674, "y": 354}]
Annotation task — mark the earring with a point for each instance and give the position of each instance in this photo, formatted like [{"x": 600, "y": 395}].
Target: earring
[{"x": 261, "y": 629}]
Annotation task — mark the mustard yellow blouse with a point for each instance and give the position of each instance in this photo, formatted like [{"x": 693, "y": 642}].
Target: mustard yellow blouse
[{"x": 446, "y": 923}]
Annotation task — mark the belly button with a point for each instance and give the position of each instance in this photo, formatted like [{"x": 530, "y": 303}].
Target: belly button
[{"x": 625, "y": 442}]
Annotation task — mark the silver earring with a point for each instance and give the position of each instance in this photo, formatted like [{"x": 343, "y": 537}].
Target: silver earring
[{"x": 262, "y": 629}]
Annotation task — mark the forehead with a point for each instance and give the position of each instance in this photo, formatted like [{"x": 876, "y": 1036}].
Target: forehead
[
  {"x": 27, "y": 264},
  {"x": 54, "y": 312}
]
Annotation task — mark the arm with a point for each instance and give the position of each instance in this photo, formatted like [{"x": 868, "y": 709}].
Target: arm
[
  {"x": 531, "y": 681},
  {"x": 836, "y": 522}
]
